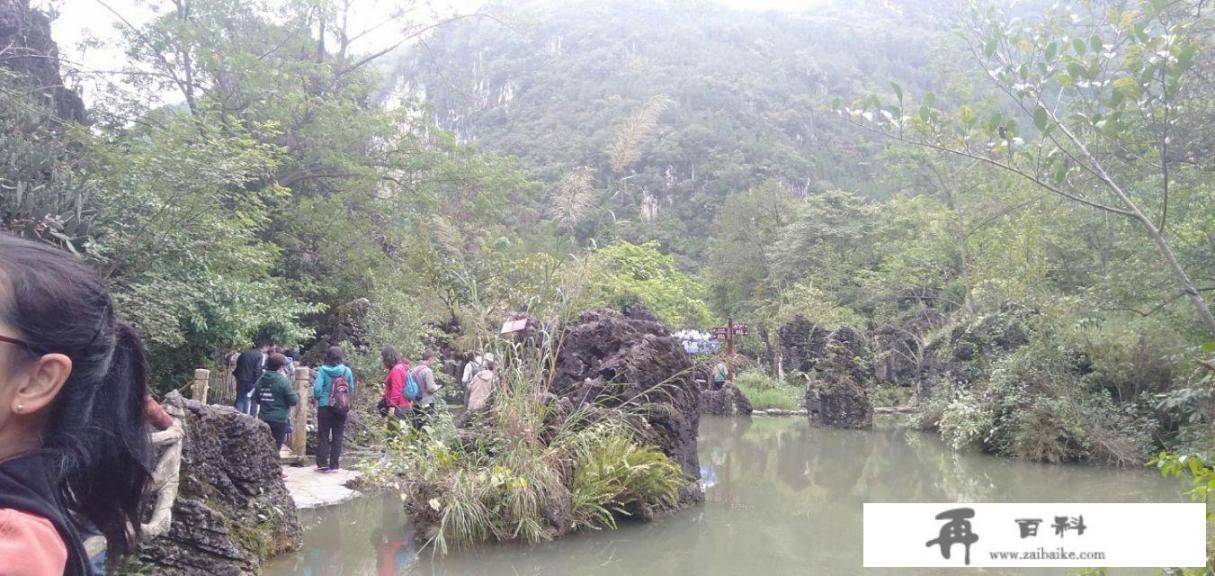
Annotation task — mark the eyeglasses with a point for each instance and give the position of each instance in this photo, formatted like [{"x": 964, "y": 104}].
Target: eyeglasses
[{"x": 18, "y": 342}]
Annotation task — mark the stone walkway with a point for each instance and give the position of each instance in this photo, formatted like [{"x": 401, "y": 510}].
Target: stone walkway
[{"x": 313, "y": 489}]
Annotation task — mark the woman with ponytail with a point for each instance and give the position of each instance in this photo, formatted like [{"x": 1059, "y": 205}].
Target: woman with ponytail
[{"x": 73, "y": 438}]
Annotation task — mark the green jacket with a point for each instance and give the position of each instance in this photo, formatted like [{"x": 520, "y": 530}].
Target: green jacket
[{"x": 274, "y": 394}]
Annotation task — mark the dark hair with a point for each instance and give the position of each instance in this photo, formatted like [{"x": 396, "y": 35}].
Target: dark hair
[
  {"x": 95, "y": 442},
  {"x": 427, "y": 355},
  {"x": 333, "y": 356},
  {"x": 390, "y": 356},
  {"x": 275, "y": 362}
]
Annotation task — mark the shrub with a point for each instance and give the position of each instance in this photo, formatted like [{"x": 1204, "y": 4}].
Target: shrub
[
  {"x": 929, "y": 410},
  {"x": 1045, "y": 410},
  {"x": 1131, "y": 358},
  {"x": 965, "y": 421},
  {"x": 886, "y": 395},
  {"x": 1202, "y": 481}
]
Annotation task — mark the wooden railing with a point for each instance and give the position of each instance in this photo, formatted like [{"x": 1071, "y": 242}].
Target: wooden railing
[{"x": 200, "y": 387}]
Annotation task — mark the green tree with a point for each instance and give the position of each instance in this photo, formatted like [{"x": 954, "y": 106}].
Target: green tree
[
  {"x": 45, "y": 189},
  {"x": 746, "y": 225},
  {"x": 1107, "y": 90},
  {"x": 629, "y": 274}
]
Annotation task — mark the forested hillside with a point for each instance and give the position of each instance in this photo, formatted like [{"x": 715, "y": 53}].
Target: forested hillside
[
  {"x": 642, "y": 117},
  {"x": 919, "y": 171}
]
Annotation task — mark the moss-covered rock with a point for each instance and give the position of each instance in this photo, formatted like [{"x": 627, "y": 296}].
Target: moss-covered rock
[{"x": 835, "y": 395}]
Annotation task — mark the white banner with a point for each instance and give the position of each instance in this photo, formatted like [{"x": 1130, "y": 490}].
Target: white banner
[{"x": 1034, "y": 535}]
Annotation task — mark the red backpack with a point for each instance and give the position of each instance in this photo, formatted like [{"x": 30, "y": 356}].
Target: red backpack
[{"x": 339, "y": 395}]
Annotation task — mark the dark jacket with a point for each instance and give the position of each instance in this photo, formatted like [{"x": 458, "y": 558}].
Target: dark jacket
[
  {"x": 249, "y": 366},
  {"x": 275, "y": 396},
  {"x": 25, "y": 486}
]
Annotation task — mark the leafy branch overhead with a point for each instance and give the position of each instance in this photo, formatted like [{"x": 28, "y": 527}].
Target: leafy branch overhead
[{"x": 1102, "y": 93}]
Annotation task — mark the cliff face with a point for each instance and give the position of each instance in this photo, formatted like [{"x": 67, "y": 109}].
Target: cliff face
[{"x": 26, "y": 48}]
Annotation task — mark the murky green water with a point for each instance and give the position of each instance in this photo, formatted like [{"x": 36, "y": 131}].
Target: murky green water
[{"x": 782, "y": 498}]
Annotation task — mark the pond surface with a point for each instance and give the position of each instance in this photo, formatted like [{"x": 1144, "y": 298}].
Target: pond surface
[{"x": 782, "y": 497}]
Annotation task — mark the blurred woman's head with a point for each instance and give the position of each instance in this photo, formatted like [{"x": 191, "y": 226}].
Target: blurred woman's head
[
  {"x": 390, "y": 357},
  {"x": 333, "y": 356},
  {"x": 72, "y": 385}
]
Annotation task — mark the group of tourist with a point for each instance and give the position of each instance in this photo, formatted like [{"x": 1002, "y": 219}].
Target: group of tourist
[
  {"x": 409, "y": 394},
  {"x": 264, "y": 390},
  {"x": 249, "y": 366},
  {"x": 263, "y": 387}
]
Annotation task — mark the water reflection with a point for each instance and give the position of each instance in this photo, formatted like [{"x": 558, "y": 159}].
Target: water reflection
[{"x": 781, "y": 498}]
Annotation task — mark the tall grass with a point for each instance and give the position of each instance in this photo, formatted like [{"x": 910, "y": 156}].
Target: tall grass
[
  {"x": 531, "y": 468},
  {"x": 765, "y": 392}
]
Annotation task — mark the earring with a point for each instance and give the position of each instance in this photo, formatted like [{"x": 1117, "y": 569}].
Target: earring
[{"x": 20, "y": 406}]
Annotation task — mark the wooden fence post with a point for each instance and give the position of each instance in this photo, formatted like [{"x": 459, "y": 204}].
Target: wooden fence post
[
  {"x": 202, "y": 378},
  {"x": 299, "y": 427}
]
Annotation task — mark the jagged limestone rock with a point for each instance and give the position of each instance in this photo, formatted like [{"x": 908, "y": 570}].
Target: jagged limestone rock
[
  {"x": 728, "y": 401},
  {"x": 608, "y": 358},
  {"x": 25, "y": 41},
  {"x": 835, "y": 395},
  {"x": 232, "y": 510}
]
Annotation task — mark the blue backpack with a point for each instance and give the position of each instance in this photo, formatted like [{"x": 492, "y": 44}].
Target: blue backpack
[{"x": 412, "y": 392}]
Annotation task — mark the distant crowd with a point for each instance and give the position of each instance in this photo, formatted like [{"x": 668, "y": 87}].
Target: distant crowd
[{"x": 264, "y": 390}]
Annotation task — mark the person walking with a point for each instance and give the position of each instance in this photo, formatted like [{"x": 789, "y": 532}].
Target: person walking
[
  {"x": 720, "y": 374},
  {"x": 289, "y": 367},
  {"x": 289, "y": 371},
  {"x": 330, "y": 417},
  {"x": 424, "y": 376},
  {"x": 275, "y": 398},
  {"x": 480, "y": 389},
  {"x": 248, "y": 369},
  {"x": 74, "y": 445},
  {"x": 399, "y": 407},
  {"x": 471, "y": 369}
]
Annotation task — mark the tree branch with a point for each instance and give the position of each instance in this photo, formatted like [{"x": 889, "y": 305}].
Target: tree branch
[
  {"x": 1006, "y": 167},
  {"x": 373, "y": 56}
]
